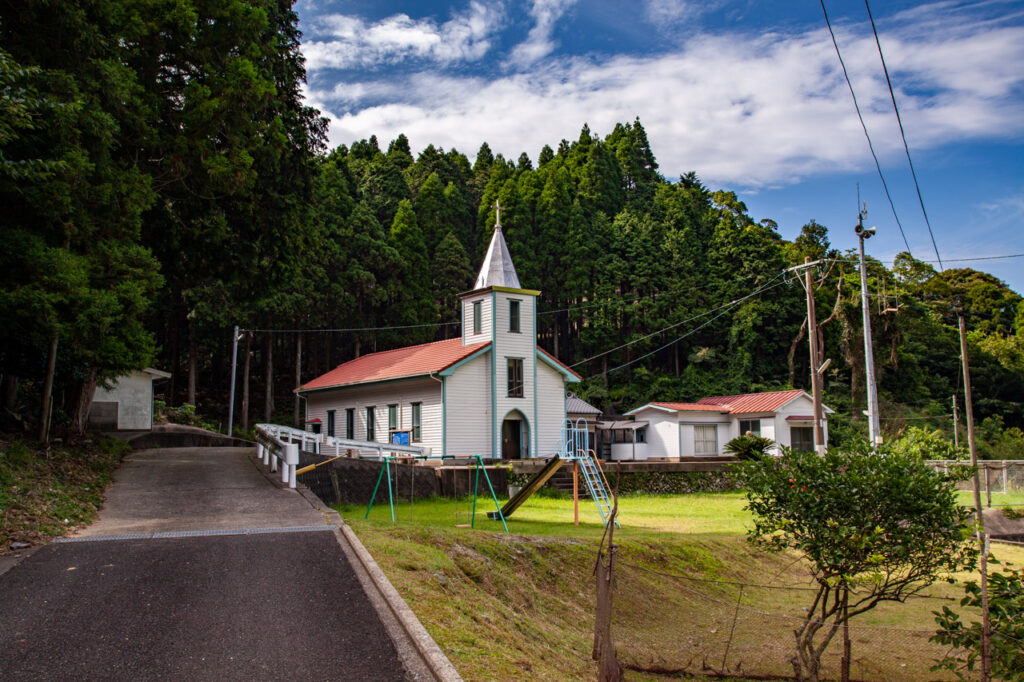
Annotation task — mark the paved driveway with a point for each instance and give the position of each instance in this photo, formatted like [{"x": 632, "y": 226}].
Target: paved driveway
[{"x": 199, "y": 567}]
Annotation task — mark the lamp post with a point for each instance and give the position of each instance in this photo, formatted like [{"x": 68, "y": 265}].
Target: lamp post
[{"x": 874, "y": 430}]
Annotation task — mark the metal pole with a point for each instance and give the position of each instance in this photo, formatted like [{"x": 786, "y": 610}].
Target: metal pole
[
  {"x": 874, "y": 430},
  {"x": 234, "y": 366},
  {"x": 956, "y": 430},
  {"x": 986, "y": 624},
  {"x": 812, "y": 335}
]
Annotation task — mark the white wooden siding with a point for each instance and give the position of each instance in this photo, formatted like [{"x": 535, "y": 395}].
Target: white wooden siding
[
  {"x": 468, "y": 394},
  {"x": 403, "y": 393},
  {"x": 514, "y": 345},
  {"x": 550, "y": 409},
  {"x": 468, "y": 337}
]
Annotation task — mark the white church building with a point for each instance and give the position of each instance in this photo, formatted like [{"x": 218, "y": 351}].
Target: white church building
[{"x": 492, "y": 392}]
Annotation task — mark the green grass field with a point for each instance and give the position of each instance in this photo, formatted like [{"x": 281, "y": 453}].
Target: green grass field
[{"x": 520, "y": 605}]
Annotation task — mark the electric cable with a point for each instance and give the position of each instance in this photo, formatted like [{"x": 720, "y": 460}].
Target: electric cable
[{"x": 864, "y": 126}]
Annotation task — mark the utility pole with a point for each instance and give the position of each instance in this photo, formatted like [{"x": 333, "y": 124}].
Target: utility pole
[
  {"x": 234, "y": 364},
  {"x": 812, "y": 335},
  {"x": 874, "y": 430},
  {"x": 986, "y": 623},
  {"x": 956, "y": 423},
  {"x": 816, "y": 368}
]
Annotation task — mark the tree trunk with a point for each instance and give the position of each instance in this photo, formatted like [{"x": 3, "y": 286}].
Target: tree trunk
[
  {"x": 193, "y": 365},
  {"x": 44, "y": 415},
  {"x": 268, "y": 374},
  {"x": 245, "y": 381},
  {"x": 298, "y": 380},
  {"x": 10, "y": 392},
  {"x": 83, "y": 400},
  {"x": 174, "y": 334}
]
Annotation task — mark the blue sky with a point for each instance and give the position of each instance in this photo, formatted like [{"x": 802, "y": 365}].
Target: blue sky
[{"x": 747, "y": 93}]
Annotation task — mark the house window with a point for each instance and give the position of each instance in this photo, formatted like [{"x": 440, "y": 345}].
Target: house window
[
  {"x": 705, "y": 439},
  {"x": 330, "y": 423},
  {"x": 392, "y": 417},
  {"x": 515, "y": 377},
  {"x": 350, "y": 423},
  {"x": 513, "y": 316},
  {"x": 802, "y": 438},
  {"x": 371, "y": 430},
  {"x": 477, "y": 324},
  {"x": 417, "y": 415},
  {"x": 750, "y": 426},
  {"x": 641, "y": 435}
]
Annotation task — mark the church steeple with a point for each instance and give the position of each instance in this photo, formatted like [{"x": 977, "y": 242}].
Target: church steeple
[{"x": 497, "y": 269}]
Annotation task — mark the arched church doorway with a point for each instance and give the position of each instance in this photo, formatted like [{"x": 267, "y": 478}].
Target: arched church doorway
[{"x": 515, "y": 436}]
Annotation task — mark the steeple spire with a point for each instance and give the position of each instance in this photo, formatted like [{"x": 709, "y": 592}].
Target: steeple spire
[{"x": 497, "y": 269}]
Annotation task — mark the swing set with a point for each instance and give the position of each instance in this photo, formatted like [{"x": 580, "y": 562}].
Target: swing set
[{"x": 477, "y": 465}]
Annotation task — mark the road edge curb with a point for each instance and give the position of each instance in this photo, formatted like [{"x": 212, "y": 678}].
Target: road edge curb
[{"x": 428, "y": 650}]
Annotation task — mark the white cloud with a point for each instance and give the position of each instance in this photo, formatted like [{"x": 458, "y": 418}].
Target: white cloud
[
  {"x": 538, "y": 43},
  {"x": 349, "y": 41},
  {"x": 661, "y": 12},
  {"x": 740, "y": 110}
]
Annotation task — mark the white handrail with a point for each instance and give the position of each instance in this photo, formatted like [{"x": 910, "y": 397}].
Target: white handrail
[
  {"x": 270, "y": 448},
  {"x": 313, "y": 442}
]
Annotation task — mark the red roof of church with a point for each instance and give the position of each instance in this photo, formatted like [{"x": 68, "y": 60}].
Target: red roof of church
[
  {"x": 735, "y": 404},
  {"x": 411, "y": 361}
]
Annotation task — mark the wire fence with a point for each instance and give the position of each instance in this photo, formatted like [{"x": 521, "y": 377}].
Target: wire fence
[
  {"x": 673, "y": 625},
  {"x": 997, "y": 477}
]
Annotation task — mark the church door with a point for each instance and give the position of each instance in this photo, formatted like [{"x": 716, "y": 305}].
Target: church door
[{"x": 511, "y": 439}]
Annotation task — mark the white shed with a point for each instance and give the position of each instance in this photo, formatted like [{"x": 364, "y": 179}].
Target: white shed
[{"x": 128, "y": 404}]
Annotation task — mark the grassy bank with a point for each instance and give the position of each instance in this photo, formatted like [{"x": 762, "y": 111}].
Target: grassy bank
[
  {"x": 46, "y": 493},
  {"x": 691, "y": 592}
]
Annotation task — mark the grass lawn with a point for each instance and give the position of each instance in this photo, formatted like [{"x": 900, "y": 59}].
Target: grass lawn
[{"x": 520, "y": 605}]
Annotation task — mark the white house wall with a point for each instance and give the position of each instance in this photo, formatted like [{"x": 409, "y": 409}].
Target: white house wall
[
  {"x": 468, "y": 408},
  {"x": 801, "y": 406},
  {"x": 662, "y": 435},
  {"x": 427, "y": 392},
  {"x": 514, "y": 345},
  {"x": 550, "y": 409}
]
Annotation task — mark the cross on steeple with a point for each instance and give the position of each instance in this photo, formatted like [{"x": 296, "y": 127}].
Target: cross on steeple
[{"x": 497, "y": 214}]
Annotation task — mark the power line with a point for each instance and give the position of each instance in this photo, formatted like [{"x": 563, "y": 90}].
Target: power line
[
  {"x": 723, "y": 309},
  {"x": 903, "y": 135},
  {"x": 948, "y": 260},
  {"x": 350, "y": 329},
  {"x": 864, "y": 126}
]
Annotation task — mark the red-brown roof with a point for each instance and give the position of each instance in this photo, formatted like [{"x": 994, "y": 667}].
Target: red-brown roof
[
  {"x": 410, "y": 361},
  {"x": 691, "y": 407},
  {"x": 732, "y": 404},
  {"x": 559, "y": 362},
  {"x": 753, "y": 402}
]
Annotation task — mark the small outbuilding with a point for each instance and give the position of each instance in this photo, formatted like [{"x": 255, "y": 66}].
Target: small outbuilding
[
  {"x": 128, "y": 404},
  {"x": 702, "y": 429}
]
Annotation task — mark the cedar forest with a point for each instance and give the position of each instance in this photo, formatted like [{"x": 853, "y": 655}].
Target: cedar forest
[{"x": 163, "y": 181}]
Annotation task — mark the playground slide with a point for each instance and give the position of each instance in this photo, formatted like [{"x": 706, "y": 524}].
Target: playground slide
[{"x": 530, "y": 488}]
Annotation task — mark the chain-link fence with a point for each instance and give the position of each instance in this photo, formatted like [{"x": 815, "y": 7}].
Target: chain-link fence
[
  {"x": 672, "y": 624},
  {"x": 998, "y": 477}
]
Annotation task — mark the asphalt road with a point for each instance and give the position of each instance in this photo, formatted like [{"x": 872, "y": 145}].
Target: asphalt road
[{"x": 203, "y": 600}]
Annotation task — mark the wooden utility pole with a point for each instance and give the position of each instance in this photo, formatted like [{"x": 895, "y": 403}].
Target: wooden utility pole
[
  {"x": 986, "y": 623},
  {"x": 813, "y": 336}
]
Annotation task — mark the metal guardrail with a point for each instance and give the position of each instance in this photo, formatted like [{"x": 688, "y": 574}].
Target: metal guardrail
[{"x": 319, "y": 443}]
